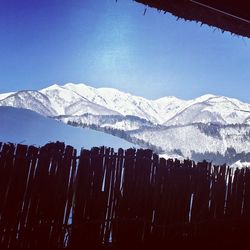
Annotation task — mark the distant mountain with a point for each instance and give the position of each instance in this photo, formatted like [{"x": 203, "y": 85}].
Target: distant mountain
[
  {"x": 216, "y": 128},
  {"x": 28, "y": 127}
]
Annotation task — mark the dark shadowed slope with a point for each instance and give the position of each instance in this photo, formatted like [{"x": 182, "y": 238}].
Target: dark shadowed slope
[{"x": 26, "y": 126}]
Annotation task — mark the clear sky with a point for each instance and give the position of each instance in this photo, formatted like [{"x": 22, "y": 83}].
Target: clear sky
[{"x": 104, "y": 43}]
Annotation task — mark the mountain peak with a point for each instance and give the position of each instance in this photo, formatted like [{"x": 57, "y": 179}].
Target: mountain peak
[
  {"x": 80, "y": 88},
  {"x": 51, "y": 87},
  {"x": 76, "y": 85},
  {"x": 205, "y": 97},
  {"x": 167, "y": 99}
]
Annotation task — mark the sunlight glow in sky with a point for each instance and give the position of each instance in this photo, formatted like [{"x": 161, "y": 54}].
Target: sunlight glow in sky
[{"x": 109, "y": 44}]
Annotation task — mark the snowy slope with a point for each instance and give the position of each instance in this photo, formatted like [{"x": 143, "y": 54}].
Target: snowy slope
[
  {"x": 3, "y": 96},
  {"x": 27, "y": 127},
  {"x": 125, "y": 123},
  {"x": 198, "y": 139}
]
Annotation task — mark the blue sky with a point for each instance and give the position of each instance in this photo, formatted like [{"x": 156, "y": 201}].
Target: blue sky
[{"x": 104, "y": 43}]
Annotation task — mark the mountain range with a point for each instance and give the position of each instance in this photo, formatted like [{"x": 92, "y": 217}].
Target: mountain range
[{"x": 215, "y": 128}]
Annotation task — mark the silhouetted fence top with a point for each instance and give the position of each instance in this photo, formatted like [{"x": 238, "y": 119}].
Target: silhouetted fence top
[{"x": 50, "y": 198}]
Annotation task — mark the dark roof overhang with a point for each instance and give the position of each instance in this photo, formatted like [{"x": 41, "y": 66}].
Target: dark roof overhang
[{"x": 227, "y": 15}]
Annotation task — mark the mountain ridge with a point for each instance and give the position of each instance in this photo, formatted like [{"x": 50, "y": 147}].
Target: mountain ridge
[{"x": 159, "y": 111}]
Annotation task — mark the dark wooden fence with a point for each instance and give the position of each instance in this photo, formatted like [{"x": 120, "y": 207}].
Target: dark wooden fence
[{"x": 52, "y": 199}]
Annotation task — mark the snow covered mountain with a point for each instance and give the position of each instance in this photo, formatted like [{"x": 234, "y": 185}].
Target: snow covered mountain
[
  {"x": 210, "y": 126},
  {"x": 79, "y": 99}
]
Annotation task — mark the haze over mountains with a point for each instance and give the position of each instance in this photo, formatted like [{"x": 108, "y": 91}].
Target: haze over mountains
[{"x": 210, "y": 127}]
